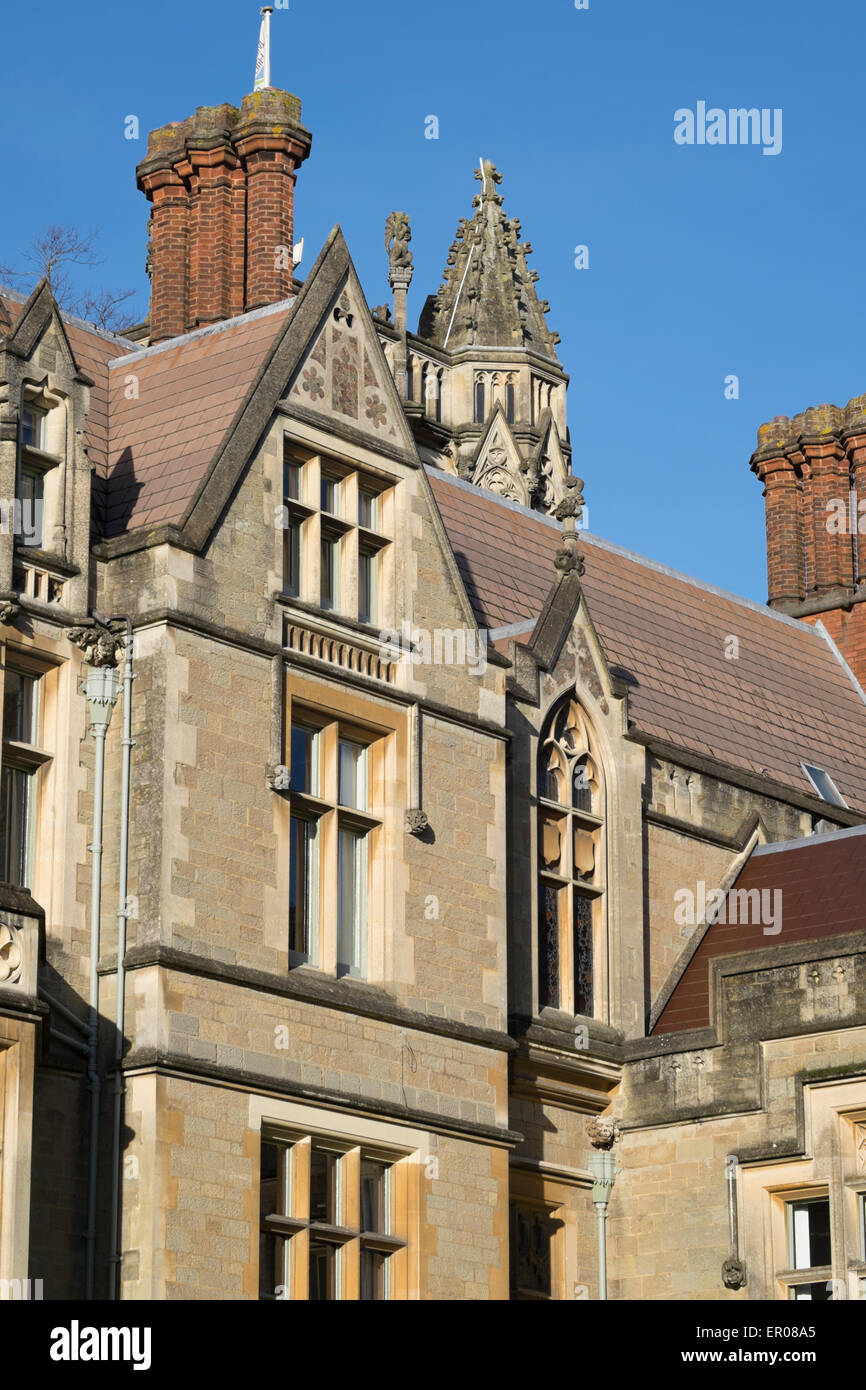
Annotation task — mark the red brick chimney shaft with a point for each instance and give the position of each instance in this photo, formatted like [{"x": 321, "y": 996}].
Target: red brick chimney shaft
[
  {"x": 813, "y": 468},
  {"x": 222, "y": 187}
]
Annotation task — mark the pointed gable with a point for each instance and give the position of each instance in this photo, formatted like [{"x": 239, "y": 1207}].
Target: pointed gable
[
  {"x": 498, "y": 466},
  {"x": 343, "y": 375}
]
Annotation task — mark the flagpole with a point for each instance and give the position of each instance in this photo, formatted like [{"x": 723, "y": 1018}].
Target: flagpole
[{"x": 263, "y": 57}]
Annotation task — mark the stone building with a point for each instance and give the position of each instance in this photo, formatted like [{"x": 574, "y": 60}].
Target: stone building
[{"x": 387, "y": 862}]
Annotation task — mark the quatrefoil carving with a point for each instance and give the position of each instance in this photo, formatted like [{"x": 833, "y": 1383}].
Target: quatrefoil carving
[{"x": 10, "y": 955}]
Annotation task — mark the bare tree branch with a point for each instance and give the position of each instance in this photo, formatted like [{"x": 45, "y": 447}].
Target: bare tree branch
[{"x": 51, "y": 253}]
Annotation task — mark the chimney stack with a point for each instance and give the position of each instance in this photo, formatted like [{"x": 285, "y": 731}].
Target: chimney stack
[
  {"x": 222, "y": 185},
  {"x": 813, "y": 468}
]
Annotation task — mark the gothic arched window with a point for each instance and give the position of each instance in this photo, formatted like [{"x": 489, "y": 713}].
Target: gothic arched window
[
  {"x": 509, "y": 401},
  {"x": 479, "y": 399},
  {"x": 570, "y": 862}
]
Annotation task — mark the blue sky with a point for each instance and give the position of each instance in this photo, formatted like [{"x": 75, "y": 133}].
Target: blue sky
[{"x": 705, "y": 261}]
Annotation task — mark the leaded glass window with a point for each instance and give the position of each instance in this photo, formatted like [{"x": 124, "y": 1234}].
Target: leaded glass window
[{"x": 570, "y": 862}]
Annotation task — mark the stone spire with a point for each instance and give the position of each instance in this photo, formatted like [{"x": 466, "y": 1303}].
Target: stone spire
[{"x": 487, "y": 296}]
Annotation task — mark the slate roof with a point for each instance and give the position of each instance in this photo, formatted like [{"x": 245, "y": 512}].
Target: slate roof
[
  {"x": 164, "y": 438},
  {"x": 151, "y": 443},
  {"x": 822, "y": 882},
  {"x": 785, "y": 698}
]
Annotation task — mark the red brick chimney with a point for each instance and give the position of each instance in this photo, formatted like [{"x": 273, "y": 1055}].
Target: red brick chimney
[
  {"x": 813, "y": 468},
  {"x": 222, "y": 185}
]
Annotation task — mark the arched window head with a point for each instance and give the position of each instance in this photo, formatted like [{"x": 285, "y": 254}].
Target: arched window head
[
  {"x": 479, "y": 399},
  {"x": 570, "y": 861}
]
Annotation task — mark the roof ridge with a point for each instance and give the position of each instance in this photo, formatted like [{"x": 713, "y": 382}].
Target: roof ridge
[
  {"x": 208, "y": 330},
  {"x": 19, "y": 298},
  {"x": 625, "y": 553}
]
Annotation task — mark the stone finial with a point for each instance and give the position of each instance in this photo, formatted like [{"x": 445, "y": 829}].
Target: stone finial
[
  {"x": 101, "y": 643},
  {"x": 398, "y": 234},
  {"x": 568, "y": 558},
  {"x": 488, "y": 176},
  {"x": 602, "y": 1134}
]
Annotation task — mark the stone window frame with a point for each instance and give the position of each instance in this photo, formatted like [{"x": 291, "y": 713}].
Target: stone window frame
[
  {"x": 292, "y": 1225},
  {"x": 42, "y": 464},
  {"x": 784, "y": 1200},
  {"x": 836, "y": 1111},
  {"x": 24, "y": 756},
  {"x": 334, "y": 819},
  {"x": 572, "y": 886},
  {"x": 307, "y": 528}
]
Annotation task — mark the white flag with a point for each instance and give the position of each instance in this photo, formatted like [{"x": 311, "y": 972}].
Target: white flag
[{"x": 263, "y": 57}]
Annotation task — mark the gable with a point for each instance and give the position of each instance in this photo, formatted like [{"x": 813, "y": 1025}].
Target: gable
[
  {"x": 343, "y": 378},
  {"x": 549, "y": 466},
  {"x": 498, "y": 466}
]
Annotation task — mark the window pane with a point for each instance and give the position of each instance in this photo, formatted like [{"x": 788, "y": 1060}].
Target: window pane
[
  {"x": 330, "y": 576},
  {"x": 352, "y": 777},
  {"x": 15, "y": 811},
  {"x": 273, "y": 1266},
  {"x": 583, "y": 1001},
  {"x": 303, "y": 886},
  {"x": 274, "y": 1178},
  {"x": 810, "y": 1233},
  {"x": 304, "y": 754},
  {"x": 367, "y": 509},
  {"x": 323, "y": 1283},
  {"x": 352, "y": 900},
  {"x": 20, "y": 704},
  {"x": 531, "y": 1232},
  {"x": 366, "y": 586},
  {"x": 581, "y": 791},
  {"x": 822, "y": 1293},
  {"x": 31, "y": 427},
  {"x": 374, "y": 1178},
  {"x": 330, "y": 494},
  {"x": 292, "y": 557},
  {"x": 292, "y": 480},
  {"x": 372, "y": 1275},
  {"x": 479, "y": 402},
  {"x": 548, "y": 946},
  {"x": 31, "y": 489},
  {"x": 324, "y": 1167}
]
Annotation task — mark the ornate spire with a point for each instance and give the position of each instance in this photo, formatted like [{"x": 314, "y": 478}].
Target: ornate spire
[
  {"x": 568, "y": 558},
  {"x": 487, "y": 295}
]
